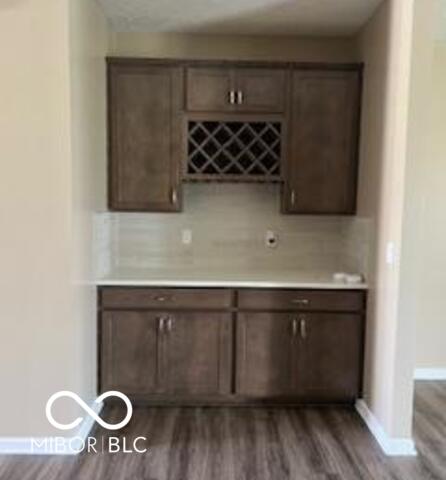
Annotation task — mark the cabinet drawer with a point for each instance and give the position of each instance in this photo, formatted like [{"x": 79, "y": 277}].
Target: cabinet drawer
[
  {"x": 303, "y": 300},
  {"x": 165, "y": 298}
]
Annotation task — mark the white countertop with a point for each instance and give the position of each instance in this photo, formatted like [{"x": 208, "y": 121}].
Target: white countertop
[{"x": 235, "y": 279}]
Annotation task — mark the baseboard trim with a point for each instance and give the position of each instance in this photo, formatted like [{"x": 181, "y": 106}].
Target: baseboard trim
[
  {"x": 392, "y": 447},
  {"x": 430, "y": 374},
  {"x": 50, "y": 445}
]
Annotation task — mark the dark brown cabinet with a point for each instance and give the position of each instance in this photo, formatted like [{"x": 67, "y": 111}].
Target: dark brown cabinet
[
  {"x": 176, "y": 353},
  {"x": 221, "y": 345},
  {"x": 260, "y": 90},
  {"x": 130, "y": 353},
  {"x": 328, "y": 357},
  {"x": 264, "y": 355},
  {"x": 198, "y": 353},
  {"x": 226, "y": 89},
  {"x": 209, "y": 89},
  {"x": 323, "y": 142},
  {"x": 171, "y": 121},
  {"x": 301, "y": 345},
  {"x": 144, "y": 136}
]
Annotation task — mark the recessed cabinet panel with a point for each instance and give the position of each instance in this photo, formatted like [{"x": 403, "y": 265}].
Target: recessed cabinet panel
[
  {"x": 209, "y": 89},
  {"x": 323, "y": 133},
  {"x": 130, "y": 352},
  {"x": 260, "y": 90},
  {"x": 329, "y": 357},
  {"x": 198, "y": 353},
  {"x": 144, "y": 137},
  {"x": 264, "y": 355}
]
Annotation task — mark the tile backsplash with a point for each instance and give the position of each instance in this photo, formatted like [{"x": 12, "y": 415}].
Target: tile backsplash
[{"x": 228, "y": 223}]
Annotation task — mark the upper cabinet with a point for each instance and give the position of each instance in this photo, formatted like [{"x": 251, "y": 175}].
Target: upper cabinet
[
  {"x": 260, "y": 90},
  {"x": 209, "y": 90},
  {"x": 226, "y": 89},
  {"x": 144, "y": 136},
  {"x": 323, "y": 142},
  {"x": 173, "y": 121}
]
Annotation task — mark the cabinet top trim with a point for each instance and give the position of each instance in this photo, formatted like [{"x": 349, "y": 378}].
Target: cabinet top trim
[{"x": 117, "y": 61}]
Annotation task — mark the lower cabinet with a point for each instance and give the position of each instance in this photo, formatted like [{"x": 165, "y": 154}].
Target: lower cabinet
[
  {"x": 130, "y": 352},
  {"x": 328, "y": 360},
  {"x": 198, "y": 353},
  {"x": 313, "y": 357},
  {"x": 264, "y": 355},
  {"x": 146, "y": 353},
  {"x": 307, "y": 349}
]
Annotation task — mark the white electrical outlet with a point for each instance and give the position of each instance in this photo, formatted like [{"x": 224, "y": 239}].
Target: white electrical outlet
[
  {"x": 390, "y": 253},
  {"x": 186, "y": 236},
  {"x": 271, "y": 239}
]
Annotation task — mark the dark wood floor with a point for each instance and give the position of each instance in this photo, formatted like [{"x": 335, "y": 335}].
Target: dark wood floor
[{"x": 254, "y": 444}]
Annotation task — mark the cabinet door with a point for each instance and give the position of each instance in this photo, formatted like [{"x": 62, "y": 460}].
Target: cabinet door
[
  {"x": 198, "y": 350},
  {"x": 260, "y": 90},
  {"x": 130, "y": 352},
  {"x": 264, "y": 355},
  {"x": 144, "y": 137},
  {"x": 323, "y": 139},
  {"x": 209, "y": 89},
  {"x": 329, "y": 356}
]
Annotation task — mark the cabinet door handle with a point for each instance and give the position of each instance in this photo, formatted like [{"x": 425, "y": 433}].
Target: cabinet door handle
[
  {"x": 174, "y": 196},
  {"x": 303, "y": 328},
  {"x": 239, "y": 97},
  {"x": 170, "y": 323},
  {"x": 161, "y": 324},
  {"x": 293, "y": 197},
  {"x": 294, "y": 327},
  {"x": 232, "y": 97}
]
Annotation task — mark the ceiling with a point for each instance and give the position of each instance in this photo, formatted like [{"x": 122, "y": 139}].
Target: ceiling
[{"x": 250, "y": 17}]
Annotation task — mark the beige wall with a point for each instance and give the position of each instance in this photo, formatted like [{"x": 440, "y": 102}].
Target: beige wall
[
  {"x": 429, "y": 226},
  {"x": 43, "y": 340},
  {"x": 88, "y": 47},
  {"x": 232, "y": 47},
  {"x": 388, "y": 45}
]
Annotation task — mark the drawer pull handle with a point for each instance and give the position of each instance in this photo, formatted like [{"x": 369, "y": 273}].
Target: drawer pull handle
[
  {"x": 161, "y": 298},
  {"x": 300, "y": 301},
  {"x": 303, "y": 328}
]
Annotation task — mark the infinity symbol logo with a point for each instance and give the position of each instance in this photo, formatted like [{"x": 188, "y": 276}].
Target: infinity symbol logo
[{"x": 79, "y": 401}]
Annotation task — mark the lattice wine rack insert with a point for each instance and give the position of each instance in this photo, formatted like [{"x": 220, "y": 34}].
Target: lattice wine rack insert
[{"x": 243, "y": 150}]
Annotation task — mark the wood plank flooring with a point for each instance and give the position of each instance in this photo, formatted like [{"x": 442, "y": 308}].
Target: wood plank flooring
[{"x": 254, "y": 444}]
